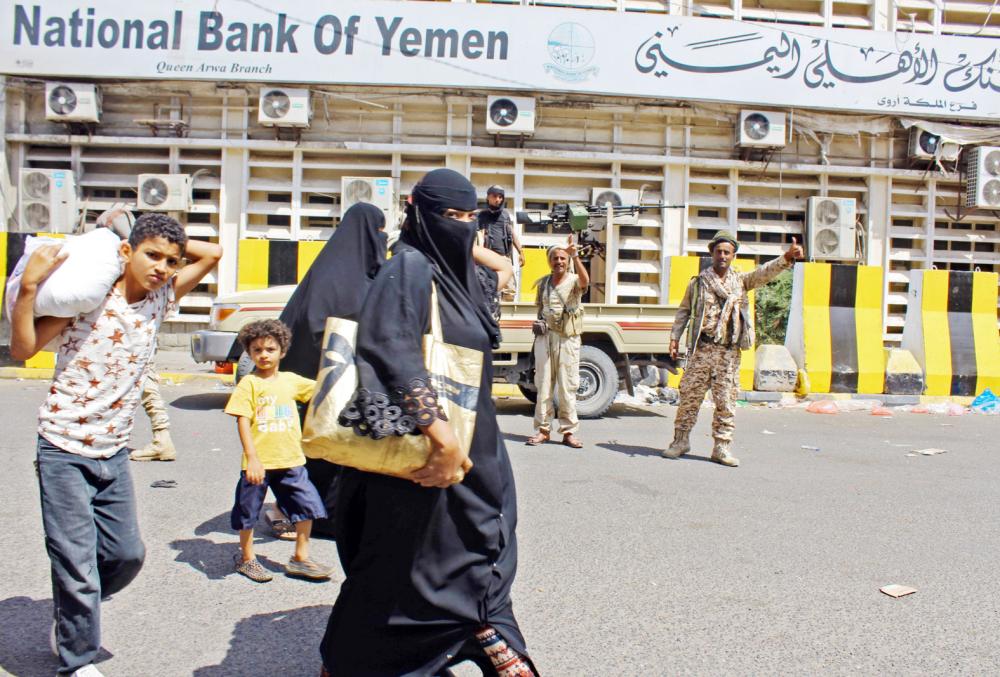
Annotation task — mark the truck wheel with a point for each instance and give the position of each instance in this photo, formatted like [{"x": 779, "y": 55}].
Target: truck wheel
[
  {"x": 243, "y": 367},
  {"x": 598, "y": 383},
  {"x": 529, "y": 392}
]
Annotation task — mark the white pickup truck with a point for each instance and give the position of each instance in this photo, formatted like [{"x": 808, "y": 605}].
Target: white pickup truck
[{"x": 615, "y": 338}]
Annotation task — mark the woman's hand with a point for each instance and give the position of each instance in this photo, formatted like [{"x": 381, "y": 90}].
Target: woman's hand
[{"x": 446, "y": 464}]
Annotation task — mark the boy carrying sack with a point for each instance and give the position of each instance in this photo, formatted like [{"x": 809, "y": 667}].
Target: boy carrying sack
[
  {"x": 268, "y": 423},
  {"x": 88, "y": 501}
]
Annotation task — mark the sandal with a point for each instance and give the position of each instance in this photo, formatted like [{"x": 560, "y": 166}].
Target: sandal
[
  {"x": 570, "y": 441},
  {"x": 538, "y": 438}
]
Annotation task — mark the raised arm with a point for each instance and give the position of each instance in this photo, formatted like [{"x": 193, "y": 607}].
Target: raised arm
[
  {"x": 28, "y": 334},
  {"x": 202, "y": 258},
  {"x": 501, "y": 265}
]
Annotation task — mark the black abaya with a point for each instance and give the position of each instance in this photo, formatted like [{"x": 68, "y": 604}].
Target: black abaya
[
  {"x": 425, "y": 567},
  {"x": 334, "y": 286}
]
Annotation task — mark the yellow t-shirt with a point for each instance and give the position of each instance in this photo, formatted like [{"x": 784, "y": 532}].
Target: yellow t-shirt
[{"x": 274, "y": 420}]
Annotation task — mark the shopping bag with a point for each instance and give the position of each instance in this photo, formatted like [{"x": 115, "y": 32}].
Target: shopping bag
[{"x": 454, "y": 371}]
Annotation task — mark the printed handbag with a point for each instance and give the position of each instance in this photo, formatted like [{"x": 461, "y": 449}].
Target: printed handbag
[{"x": 454, "y": 371}]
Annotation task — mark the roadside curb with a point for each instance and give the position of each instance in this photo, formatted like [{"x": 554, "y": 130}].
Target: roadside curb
[
  {"x": 510, "y": 390},
  {"x": 169, "y": 377}
]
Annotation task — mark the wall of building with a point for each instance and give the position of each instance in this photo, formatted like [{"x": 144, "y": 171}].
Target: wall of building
[{"x": 252, "y": 182}]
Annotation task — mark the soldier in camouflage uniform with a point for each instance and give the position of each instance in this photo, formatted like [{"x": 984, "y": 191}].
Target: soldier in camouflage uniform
[{"x": 717, "y": 306}]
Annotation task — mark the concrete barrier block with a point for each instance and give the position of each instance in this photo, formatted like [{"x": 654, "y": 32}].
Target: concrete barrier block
[
  {"x": 775, "y": 371},
  {"x": 903, "y": 375}
]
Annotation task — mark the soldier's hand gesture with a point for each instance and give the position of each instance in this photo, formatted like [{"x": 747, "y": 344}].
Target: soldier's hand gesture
[{"x": 795, "y": 251}]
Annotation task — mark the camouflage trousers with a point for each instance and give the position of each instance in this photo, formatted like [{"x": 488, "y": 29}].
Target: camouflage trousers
[
  {"x": 716, "y": 367},
  {"x": 152, "y": 401}
]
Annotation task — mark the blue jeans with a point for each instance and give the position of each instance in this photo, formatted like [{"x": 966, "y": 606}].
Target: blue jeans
[{"x": 92, "y": 537}]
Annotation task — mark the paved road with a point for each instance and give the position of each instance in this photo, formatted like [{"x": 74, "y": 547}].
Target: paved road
[{"x": 630, "y": 564}]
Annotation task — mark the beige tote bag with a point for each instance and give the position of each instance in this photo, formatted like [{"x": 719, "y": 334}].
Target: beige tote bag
[{"x": 454, "y": 372}]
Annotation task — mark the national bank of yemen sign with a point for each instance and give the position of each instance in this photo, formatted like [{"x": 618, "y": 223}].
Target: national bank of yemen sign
[{"x": 496, "y": 47}]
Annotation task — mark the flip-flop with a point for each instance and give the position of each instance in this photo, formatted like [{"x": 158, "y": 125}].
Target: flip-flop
[
  {"x": 571, "y": 442},
  {"x": 536, "y": 440}
]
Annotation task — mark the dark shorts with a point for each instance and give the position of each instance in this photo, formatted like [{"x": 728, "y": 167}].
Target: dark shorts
[{"x": 296, "y": 496}]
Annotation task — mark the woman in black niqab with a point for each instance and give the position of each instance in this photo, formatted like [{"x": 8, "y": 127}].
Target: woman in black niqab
[
  {"x": 428, "y": 568},
  {"x": 334, "y": 286}
]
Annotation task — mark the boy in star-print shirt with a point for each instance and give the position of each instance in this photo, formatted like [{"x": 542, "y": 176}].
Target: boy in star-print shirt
[{"x": 88, "y": 502}]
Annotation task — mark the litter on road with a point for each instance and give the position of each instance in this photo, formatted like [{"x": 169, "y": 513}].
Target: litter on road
[
  {"x": 929, "y": 452},
  {"x": 896, "y": 590}
]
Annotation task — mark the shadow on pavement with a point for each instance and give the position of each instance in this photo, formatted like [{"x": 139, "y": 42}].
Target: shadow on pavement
[
  {"x": 24, "y": 640},
  {"x": 202, "y": 401},
  {"x": 629, "y": 449},
  {"x": 217, "y": 525},
  {"x": 277, "y": 643},
  {"x": 215, "y": 560}
]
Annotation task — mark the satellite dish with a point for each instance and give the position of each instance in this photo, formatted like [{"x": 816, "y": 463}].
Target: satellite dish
[
  {"x": 607, "y": 196},
  {"x": 756, "y": 126},
  {"x": 992, "y": 162},
  {"x": 828, "y": 213},
  {"x": 355, "y": 192},
  {"x": 929, "y": 142},
  {"x": 503, "y": 112},
  {"x": 37, "y": 216},
  {"x": 275, "y": 104},
  {"x": 62, "y": 100},
  {"x": 154, "y": 191},
  {"x": 826, "y": 242},
  {"x": 991, "y": 192},
  {"x": 36, "y": 185}
]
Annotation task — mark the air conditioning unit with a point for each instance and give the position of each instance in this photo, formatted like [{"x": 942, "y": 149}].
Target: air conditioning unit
[
  {"x": 927, "y": 146},
  {"x": 761, "y": 129},
  {"x": 373, "y": 190},
  {"x": 280, "y": 107},
  {"x": 72, "y": 102},
  {"x": 982, "y": 189},
  {"x": 510, "y": 115},
  {"x": 46, "y": 201},
  {"x": 164, "y": 192},
  {"x": 832, "y": 228},
  {"x": 618, "y": 197}
]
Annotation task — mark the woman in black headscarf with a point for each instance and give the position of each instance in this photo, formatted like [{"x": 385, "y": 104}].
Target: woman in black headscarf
[
  {"x": 429, "y": 562},
  {"x": 335, "y": 286}
]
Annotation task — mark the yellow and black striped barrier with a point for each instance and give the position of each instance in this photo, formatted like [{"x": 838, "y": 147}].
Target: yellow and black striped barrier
[
  {"x": 267, "y": 263},
  {"x": 951, "y": 329},
  {"x": 682, "y": 269},
  {"x": 835, "y": 327},
  {"x": 11, "y": 249}
]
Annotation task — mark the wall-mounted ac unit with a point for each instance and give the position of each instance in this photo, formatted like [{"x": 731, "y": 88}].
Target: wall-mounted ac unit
[
  {"x": 46, "y": 201},
  {"x": 761, "y": 129},
  {"x": 282, "y": 107},
  {"x": 510, "y": 115},
  {"x": 72, "y": 102},
  {"x": 982, "y": 188},
  {"x": 927, "y": 146},
  {"x": 375, "y": 190},
  {"x": 164, "y": 192},
  {"x": 618, "y": 197},
  {"x": 832, "y": 228}
]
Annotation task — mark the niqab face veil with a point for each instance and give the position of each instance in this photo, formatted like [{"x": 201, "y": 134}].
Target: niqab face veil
[{"x": 448, "y": 242}]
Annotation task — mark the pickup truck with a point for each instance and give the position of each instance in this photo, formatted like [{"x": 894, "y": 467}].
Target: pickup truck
[{"x": 616, "y": 339}]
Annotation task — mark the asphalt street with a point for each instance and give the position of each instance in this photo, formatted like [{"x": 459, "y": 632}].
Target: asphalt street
[{"x": 630, "y": 564}]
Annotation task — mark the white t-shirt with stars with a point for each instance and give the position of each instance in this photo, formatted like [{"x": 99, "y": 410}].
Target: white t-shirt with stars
[{"x": 100, "y": 367}]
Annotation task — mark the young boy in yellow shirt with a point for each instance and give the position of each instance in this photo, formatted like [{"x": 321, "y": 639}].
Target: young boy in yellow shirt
[{"x": 268, "y": 423}]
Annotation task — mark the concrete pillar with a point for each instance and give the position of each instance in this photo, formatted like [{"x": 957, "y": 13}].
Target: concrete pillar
[{"x": 231, "y": 215}]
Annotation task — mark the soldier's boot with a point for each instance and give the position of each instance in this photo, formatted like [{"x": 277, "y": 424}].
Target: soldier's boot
[
  {"x": 721, "y": 455},
  {"x": 680, "y": 446},
  {"x": 160, "y": 449}
]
